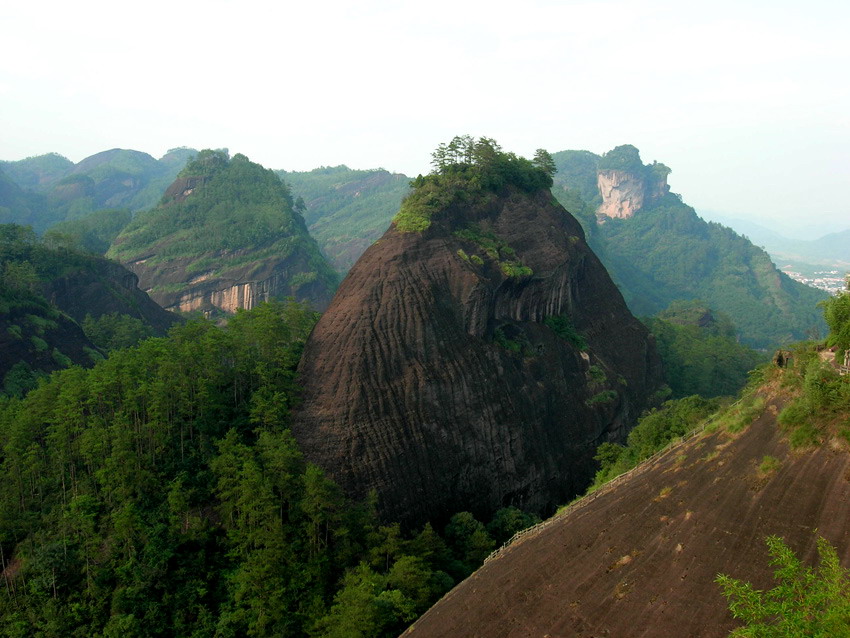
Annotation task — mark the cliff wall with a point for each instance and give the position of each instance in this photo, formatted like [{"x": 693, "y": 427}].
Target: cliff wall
[{"x": 433, "y": 379}]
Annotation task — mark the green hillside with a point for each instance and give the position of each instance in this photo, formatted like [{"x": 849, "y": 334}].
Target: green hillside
[
  {"x": 161, "y": 493},
  {"x": 112, "y": 179},
  {"x": 38, "y": 173},
  {"x": 224, "y": 222},
  {"x": 666, "y": 252},
  {"x": 18, "y": 206},
  {"x": 345, "y": 209},
  {"x": 60, "y": 306}
]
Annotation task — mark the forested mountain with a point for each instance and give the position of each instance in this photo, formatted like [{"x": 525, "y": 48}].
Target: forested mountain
[
  {"x": 38, "y": 173},
  {"x": 658, "y": 250},
  {"x": 700, "y": 352},
  {"x": 59, "y": 306},
  {"x": 224, "y": 236},
  {"x": 17, "y": 205},
  {"x": 476, "y": 355},
  {"x": 94, "y": 232},
  {"x": 116, "y": 178},
  {"x": 161, "y": 493},
  {"x": 347, "y": 210}
]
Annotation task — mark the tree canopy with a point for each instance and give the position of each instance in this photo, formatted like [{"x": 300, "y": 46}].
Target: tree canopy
[
  {"x": 161, "y": 493},
  {"x": 467, "y": 170}
]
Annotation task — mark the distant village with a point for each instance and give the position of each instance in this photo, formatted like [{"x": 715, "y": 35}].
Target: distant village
[{"x": 833, "y": 281}]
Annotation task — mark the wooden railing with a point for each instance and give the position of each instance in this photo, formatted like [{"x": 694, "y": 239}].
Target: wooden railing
[{"x": 589, "y": 498}]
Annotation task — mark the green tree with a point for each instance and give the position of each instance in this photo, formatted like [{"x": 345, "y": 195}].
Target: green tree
[
  {"x": 543, "y": 160},
  {"x": 837, "y": 315},
  {"x": 806, "y": 601}
]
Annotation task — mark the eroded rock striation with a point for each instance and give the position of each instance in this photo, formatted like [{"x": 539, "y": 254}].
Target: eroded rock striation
[{"x": 474, "y": 365}]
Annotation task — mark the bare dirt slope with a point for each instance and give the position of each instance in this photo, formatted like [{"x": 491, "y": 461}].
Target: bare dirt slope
[{"x": 640, "y": 559}]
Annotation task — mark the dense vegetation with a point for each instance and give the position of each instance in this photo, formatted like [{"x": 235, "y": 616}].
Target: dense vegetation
[
  {"x": 469, "y": 171},
  {"x": 161, "y": 493},
  {"x": 59, "y": 190},
  {"x": 806, "y": 601},
  {"x": 94, "y": 232},
  {"x": 18, "y": 206},
  {"x": 237, "y": 215},
  {"x": 700, "y": 351},
  {"x": 821, "y": 395},
  {"x": 666, "y": 253},
  {"x": 36, "y": 336},
  {"x": 38, "y": 172},
  {"x": 345, "y": 209}
]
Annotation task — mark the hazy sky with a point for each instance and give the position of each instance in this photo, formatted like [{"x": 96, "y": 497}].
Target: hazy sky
[{"x": 747, "y": 102}]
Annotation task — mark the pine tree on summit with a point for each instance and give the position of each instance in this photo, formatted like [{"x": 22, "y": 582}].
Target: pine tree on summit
[{"x": 543, "y": 160}]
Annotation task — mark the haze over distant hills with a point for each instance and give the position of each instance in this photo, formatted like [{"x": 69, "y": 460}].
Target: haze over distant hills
[
  {"x": 346, "y": 210},
  {"x": 662, "y": 253},
  {"x": 830, "y": 249},
  {"x": 58, "y": 190}
]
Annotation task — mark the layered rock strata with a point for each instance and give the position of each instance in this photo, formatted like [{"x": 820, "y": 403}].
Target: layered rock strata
[{"x": 434, "y": 379}]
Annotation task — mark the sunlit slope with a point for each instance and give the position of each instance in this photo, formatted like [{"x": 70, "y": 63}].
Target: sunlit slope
[{"x": 639, "y": 557}]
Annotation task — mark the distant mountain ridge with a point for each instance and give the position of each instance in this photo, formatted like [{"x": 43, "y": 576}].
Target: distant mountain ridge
[
  {"x": 118, "y": 178},
  {"x": 829, "y": 249},
  {"x": 345, "y": 209}
]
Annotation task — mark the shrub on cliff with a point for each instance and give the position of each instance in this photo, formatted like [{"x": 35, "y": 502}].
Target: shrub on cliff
[
  {"x": 466, "y": 170},
  {"x": 806, "y": 601}
]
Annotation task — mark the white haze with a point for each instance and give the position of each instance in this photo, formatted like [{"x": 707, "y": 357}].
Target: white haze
[{"x": 747, "y": 102}]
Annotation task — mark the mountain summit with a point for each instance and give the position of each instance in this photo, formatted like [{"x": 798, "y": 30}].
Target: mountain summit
[
  {"x": 476, "y": 354},
  {"x": 658, "y": 250},
  {"x": 225, "y": 236}
]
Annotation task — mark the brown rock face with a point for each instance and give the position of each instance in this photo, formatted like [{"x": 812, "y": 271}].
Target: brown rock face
[
  {"x": 408, "y": 392},
  {"x": 640, "y": 559}
]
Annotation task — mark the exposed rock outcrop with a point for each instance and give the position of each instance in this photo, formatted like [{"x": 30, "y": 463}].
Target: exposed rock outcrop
[
  {"x": 246, "y": 286},
  {"x": 639, "y": 558},
  {"x": 433, "y": 379},
  {"x": 622, "y": 194},
  {"x": 626, "y": 192}
]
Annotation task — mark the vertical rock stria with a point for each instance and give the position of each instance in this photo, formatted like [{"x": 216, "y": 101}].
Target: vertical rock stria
[{"x": 433, "y": 379}]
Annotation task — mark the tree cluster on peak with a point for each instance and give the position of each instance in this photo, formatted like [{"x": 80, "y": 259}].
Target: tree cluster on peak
[
  {"x": 484, "y": 161},
  {"x": 467, "y": 169}
]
